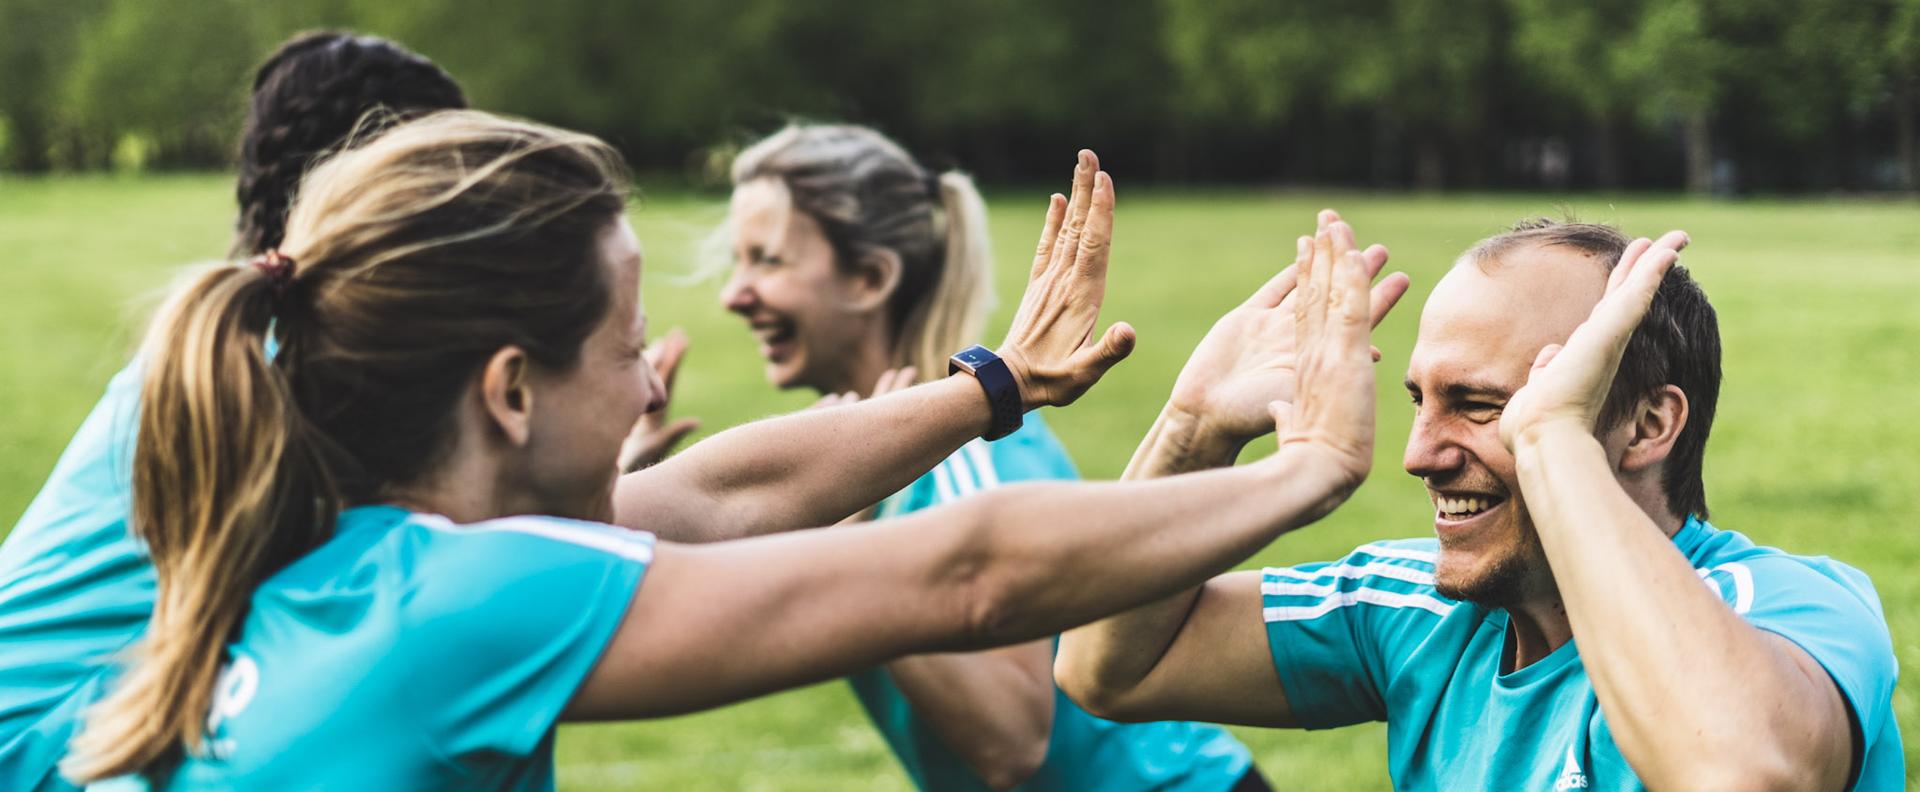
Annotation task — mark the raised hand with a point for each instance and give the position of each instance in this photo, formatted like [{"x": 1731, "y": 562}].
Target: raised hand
[
  {"x": 1048, "y": 347},
  {"x": 653, "y": 437},
  {"x": 1331, "y": 414},
  {"x": 1248, "y": 359},
  {"x": 1568, "y": 382}
]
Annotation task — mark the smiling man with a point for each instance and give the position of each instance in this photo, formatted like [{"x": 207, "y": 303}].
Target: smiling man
[{"x": 1568, "y": 508}]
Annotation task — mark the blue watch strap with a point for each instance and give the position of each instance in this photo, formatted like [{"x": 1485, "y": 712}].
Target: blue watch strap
[{"x": 1003, "y": 394}]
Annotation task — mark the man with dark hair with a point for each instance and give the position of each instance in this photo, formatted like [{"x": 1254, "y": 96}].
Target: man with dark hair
[{"x": 1564, "y": 382}]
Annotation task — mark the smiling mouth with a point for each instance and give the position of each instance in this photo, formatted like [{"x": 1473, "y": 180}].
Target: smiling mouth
[
  {"x": 1461, "y": 507},
  {"x": 772, "y": 335}
]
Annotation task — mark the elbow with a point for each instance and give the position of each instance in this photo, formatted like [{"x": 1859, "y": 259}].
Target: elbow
[
  {"x": 1743, "y": 769},
  {"x": 1014, "y": 766},
  {"x": 1083, "y": 684}
]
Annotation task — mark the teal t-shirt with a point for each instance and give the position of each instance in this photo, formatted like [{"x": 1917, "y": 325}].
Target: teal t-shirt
[
  {"x": 1083, "y": 752},
  {"x": 76, "y": 589},
  {"x": 409, "y": 652},
  {"x": 1366, "y": 638}
]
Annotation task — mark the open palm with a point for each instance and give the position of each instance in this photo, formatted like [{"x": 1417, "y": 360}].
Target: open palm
[{"x": 1249, "y": 358}]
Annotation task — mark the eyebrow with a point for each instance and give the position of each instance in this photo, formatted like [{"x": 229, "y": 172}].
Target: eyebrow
[{"x": 1461, "y": 391}]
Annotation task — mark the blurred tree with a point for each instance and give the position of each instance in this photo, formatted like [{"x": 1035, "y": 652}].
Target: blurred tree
[
  {"x": 1903, "y": 75},
  {"x": 1573, "y": 48},
  {"x": 168, "y": 73},
  {"x": 37, "y": 43}
]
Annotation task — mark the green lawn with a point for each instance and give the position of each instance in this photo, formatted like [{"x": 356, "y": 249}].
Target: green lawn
[{"x": 1817, "y": 301}]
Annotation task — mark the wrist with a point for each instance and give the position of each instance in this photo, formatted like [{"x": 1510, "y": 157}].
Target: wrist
[{"x": 1200, "y": 439}]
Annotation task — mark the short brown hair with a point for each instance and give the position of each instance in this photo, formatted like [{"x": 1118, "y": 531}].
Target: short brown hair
[{"x": 1678, "y": 343}]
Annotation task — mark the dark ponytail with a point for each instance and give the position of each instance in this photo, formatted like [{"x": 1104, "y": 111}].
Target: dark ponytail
[{"x": 308, "y": 97}]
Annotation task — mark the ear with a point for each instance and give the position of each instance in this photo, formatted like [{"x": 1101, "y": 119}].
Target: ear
[
  {"x": 1656, "y": 425},
  {"x": 872, "y": 280},
  {"x": 506, "y": 394}
]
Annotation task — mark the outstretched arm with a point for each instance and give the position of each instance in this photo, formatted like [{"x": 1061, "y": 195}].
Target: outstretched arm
[
  {"x": 718, "y": 623},
  {"x": 1200, "y": 654},
  {"x": 1769, "y": 716},
  {"x": 818, "y": 466}
]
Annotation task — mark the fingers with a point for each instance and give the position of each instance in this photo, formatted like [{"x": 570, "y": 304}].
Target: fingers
[
  {"x": 666, "y": 356},
  {"x": 1049, "y": 231},
  {"x": 1276, "y": 289},
  {"x": 1079, "y": 203},
  {"x": 1097, "y": 238},
  {"x": 1385, "y": 294},
  {"x": 1376, "y": 257},
  {"x": 1349, "y": 303},
  {"x": 1625, "y": 265}
]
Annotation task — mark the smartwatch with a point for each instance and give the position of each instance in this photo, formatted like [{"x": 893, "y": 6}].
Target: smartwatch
[{"x": 1003, "y": 394}]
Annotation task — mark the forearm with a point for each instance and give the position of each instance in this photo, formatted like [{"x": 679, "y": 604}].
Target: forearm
[
  {"x": 1106, "y": 657},
  {"x": 994, "y": 709},
  {"x": 1153, "y": 539},
  {"x": 1643, "y": 618},
  {"x": 806, "y": 469}
]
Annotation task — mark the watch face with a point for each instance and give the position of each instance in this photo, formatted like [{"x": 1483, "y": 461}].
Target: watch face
[{"x": 973, "y": 357}]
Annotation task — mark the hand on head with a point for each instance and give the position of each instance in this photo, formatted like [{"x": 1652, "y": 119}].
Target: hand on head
[
  {"x": 1249, "y": 358},
  {"x": 1568, "y": 383},
  {"x": 1050, "y": 347}
]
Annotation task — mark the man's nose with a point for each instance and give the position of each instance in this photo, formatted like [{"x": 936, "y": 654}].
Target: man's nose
[{"x": 1431, "y": 450}]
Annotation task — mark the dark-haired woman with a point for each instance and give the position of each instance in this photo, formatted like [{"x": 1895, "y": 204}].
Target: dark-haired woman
[
  {"x": 378, "y": 551},
  {"x": 75, "y": 589}
]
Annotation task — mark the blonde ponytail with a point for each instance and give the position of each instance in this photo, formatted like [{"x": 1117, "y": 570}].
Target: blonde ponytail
[
  {"x": 225, "y": 490},
  {"x": 953, "y": 312}
]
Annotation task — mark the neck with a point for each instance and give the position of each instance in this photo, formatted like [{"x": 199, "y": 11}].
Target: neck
[
  {"x": 1535, "y": 630},
  {"x": 860, "y": 370},
  {"x": 466, "y": 491}
]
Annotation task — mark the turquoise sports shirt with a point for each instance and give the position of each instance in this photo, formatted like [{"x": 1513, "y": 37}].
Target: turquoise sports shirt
[
  {"x": 1084, "y": 752},
  {"x": 75, "y": 589},
  {"x": 412, "y": 653},
  {"x": 1366, "y": 638}
]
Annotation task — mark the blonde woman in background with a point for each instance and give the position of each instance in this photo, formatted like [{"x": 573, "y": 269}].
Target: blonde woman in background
[{"x": 858, "y": 270}]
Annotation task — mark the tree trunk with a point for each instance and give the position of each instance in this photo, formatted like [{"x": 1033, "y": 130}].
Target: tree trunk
[
  {"x": 1429, "y": 171},
  {"x": 1606, "y": 153},
  {"x": 1699, "y": 141},
  {"x": 1903, "y": 111}
]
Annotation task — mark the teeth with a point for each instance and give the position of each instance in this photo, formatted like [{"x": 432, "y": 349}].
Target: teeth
[{"x": 1461, "y": 506}]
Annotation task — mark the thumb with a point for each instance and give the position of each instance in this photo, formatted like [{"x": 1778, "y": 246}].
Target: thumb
[
  {"x": 1114, "y": 346},
  {"x": 678, "y": 431},
  {"x": 1541, "y": 360},
  {"x": 1282, "y": 413}
]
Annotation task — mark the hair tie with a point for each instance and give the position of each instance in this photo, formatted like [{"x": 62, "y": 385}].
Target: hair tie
[
  {"x": 932, "y": 182},
  {"x": 278, "y": 269}
]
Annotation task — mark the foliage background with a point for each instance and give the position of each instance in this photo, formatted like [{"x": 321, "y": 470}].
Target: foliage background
[{"x": 1725, "y": 95}]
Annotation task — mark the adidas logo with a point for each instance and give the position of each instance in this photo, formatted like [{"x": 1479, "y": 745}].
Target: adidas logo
[{"x": 1571, "y": 777}]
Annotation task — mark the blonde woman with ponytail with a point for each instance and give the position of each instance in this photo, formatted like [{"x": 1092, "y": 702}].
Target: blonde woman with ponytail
[
  {"x": 858, "y": 268},
  {"x": 381, "y": 552}
]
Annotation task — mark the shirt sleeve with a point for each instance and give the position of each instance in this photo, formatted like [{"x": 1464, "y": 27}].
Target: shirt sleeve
[
  {"x": 1828, "y": 609},
  {"x": 509, "y": 616},
  {"x": 1335, "y": 629}
]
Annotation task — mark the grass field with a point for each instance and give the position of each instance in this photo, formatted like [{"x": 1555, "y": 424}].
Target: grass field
[{"x": 1815, "y": 448}]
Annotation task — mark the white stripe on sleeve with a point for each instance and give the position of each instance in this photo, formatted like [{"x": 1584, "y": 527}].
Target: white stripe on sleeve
[
  {"x": 943, "y": 483},
  {"x": 982, "y": 462},
  {"x": 1350, "y": 598},
  {"x": 1394, "y": 571},
  {"x": 632, "y": 545}
]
